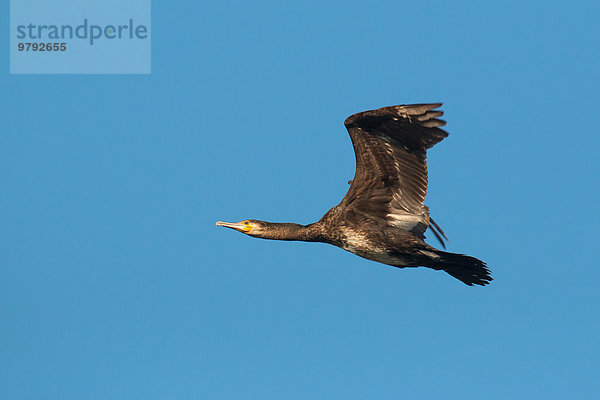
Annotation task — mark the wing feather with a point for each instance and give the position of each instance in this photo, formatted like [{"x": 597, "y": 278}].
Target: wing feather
[{"x": 390, "y": 146}]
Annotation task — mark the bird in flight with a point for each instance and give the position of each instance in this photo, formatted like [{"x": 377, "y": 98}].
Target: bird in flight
[{"x": 383, "y": 216}]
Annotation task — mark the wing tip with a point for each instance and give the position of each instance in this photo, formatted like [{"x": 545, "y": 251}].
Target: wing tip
[
  {"x": 423, "y": 111},
  {"x": 420, "y": 108}
]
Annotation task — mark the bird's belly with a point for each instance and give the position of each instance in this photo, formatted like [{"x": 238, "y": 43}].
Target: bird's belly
[{"x": 363, "y": 247}]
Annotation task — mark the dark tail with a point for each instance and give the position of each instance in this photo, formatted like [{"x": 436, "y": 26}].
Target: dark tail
[{"x": 467, "y": 269}]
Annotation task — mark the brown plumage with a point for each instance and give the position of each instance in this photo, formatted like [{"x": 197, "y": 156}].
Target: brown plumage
[{"x": 383, "y": 216}]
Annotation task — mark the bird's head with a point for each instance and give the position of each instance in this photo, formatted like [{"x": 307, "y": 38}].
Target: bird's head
[{"x": 250, "y": 227}]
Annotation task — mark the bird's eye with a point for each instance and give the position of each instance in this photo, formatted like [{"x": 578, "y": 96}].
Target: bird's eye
[{"x": 246, "y": 222}]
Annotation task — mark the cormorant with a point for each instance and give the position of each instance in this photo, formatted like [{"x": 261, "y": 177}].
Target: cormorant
[{"x": 383, "y": 216}]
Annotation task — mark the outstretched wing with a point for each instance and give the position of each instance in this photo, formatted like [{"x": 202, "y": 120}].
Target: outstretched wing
[{"x": 390, "y": 183}]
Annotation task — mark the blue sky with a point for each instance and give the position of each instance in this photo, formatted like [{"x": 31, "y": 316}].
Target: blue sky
[{"x": 115, "y": 283}]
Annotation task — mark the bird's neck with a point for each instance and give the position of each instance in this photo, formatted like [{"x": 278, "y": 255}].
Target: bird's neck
[{"x": 290, "y": 231}]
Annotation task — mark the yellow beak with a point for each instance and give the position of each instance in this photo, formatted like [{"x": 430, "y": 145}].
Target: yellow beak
[{"x": 238, "y": 226}]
